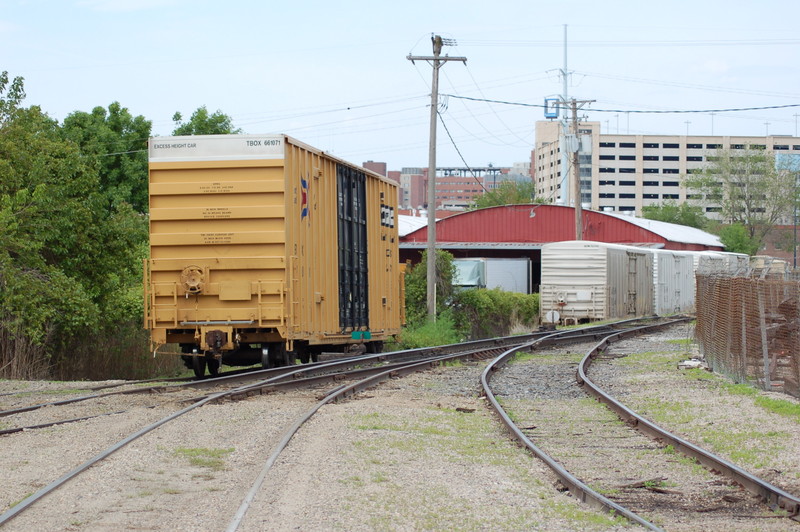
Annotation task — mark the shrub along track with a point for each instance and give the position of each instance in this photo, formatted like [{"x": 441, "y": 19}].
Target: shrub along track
[{"x": 622, "y": 470}]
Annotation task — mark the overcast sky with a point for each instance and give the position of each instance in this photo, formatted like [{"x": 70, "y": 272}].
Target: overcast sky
[{"x": 335, "y": 74}]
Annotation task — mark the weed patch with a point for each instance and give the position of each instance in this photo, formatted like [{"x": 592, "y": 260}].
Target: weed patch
[{"x": 201, "y": 457}]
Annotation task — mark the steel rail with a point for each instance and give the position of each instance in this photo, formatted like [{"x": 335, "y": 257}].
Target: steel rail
[
  {"x": 336, "y": 394},
  {"x": 29, "y": 501},
  {"x": 774, "y": 496},
  {"x": 293, "y": 372},
  {"x": 343, "y": 392},
  {"x": 41, "y": 493},
  {"x": 54, "y": 423},
  {"x": 576, "y": 487}
]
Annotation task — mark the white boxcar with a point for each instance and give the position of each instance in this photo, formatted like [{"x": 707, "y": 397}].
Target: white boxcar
[
  {"x": 720, "y": 262},
  {"x": 673, "y": 281},
  {"x": 587, "y": 281}
]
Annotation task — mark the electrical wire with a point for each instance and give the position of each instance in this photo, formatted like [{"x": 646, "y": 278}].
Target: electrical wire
[
  {"x": 624, "y": 44},
  {"x": 639, "y": 111},
  {"x": 458, "y": 151}
]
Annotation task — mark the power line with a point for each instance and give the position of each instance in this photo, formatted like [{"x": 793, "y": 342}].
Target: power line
[
  {"x": 441, "y": 119},
  {"x": 624, "y": 44},
  {"x": 637, "y": 111}
]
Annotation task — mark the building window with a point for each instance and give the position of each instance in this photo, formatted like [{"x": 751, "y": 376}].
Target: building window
[
  {"x": 607, "y": 195},
  {"x": 627, "y": 170},
  {"x": 694, "y": 146},
  {"x": 651, "y": 170},
  {"x": 671, "y": 158},
  {"x": 608, "y": 183},
  {"x": 627, "y": 144},
  {"x": 627, "y": 157},
  {"x": 670, "y": 184},
  {"x": 758, "y": 146},
  {"x": 713, "y": 146},
  {"x": 713, "y": 209},
  {"x": 627, "y": 209},
  {"x": 781, "y": 147},
  {"x": 606, "y": 208},
  {"x": 796, "y": 147},
  {"x": 694, "y": 158},
  {"x": 651, "y": 144},
  {"x": 669, "y": 171},
  {"x": 627, "y": 183},
  {"x": 650, "y": 183},
  {"x": 650, "y": 196},
  {"x": 669, "y": 196},
  {"x": 607, "y": 170},
  {"x": 587, "y": 131},
  {"x": 607, "y": 157},
  {"x": 650, "y": 157},
  {"x": 608, "y": 144},
  {"x": 627, "y": 196},
  {"x": 737, "y": 146},
  {"x": 671, "y": 146},
  {"x": 694, "y": 196}
]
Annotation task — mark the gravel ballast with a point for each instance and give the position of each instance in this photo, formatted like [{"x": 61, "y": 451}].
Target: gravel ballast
[{"x": 419, "y": 453}]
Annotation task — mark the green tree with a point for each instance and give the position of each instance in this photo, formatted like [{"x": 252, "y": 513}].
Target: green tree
[
  {"x": 68, "y": 257},
  {"x": 114, "y": 142},
  {"x": 749, "y": 188},
  {"x": 14, "y": 94},
  {"x": 508, "y": 193},
  {"x": 416, "y": 280},
  {"x": 737, "y": 239},
  {"x": 683, "y": 214},
  {"x": 203, "y": 123}
]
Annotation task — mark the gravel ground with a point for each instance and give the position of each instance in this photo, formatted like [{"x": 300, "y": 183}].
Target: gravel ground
[
  {"x": 420, "y": 453},
  {"x": 629, "y": 468}
]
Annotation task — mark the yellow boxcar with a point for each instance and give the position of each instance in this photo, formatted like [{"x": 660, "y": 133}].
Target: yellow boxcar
[{"x": 265, "y": 249}]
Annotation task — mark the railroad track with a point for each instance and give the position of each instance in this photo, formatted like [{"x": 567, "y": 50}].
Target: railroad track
[
  {"x": 24, "y": 402},
  {"x": 606, "y": 464},
  {"x": 282, "y": 378},
  {"x": 312, "y": 389}
]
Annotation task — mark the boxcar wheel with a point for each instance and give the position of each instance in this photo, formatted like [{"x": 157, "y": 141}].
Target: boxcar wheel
[
  {"x": 199, "y": 366},
  {"x": 279, "y": 356},
  {"x": 304, "y": 355},
  {"x": 213, "y": 364},
  {"x": 375, "y": 347}
]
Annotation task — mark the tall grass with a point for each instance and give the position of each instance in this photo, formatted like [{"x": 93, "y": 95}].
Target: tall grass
[
  {"x": 20, "y": 358},
  {"x": 123, "y": 353}
]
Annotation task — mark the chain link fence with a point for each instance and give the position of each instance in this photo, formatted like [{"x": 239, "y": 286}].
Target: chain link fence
[{"x": 748, "y": 327}]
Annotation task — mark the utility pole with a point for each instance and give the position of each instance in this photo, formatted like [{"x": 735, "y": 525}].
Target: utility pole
[
  {"x": 573, "y": 145},
  {"x": 565, "y": 79},
  {"x": 436, "y": 62}
]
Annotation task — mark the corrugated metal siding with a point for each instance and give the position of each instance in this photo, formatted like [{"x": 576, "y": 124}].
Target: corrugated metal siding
[
  {"x": 261, "y": 233},
  {"x": 673, "y": 282},
  {"x": 533, "y": 223},
  {"x": 539, "y": 224}
]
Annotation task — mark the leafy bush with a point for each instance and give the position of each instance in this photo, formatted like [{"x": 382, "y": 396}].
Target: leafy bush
[
  {"x": 417, "y": 287},
  {"x": 442, "y": 331},
  {"x": 483, "y": 313}
]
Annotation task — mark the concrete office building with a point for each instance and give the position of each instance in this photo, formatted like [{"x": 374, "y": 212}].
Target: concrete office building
[{"x": 623, "y": 173}]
